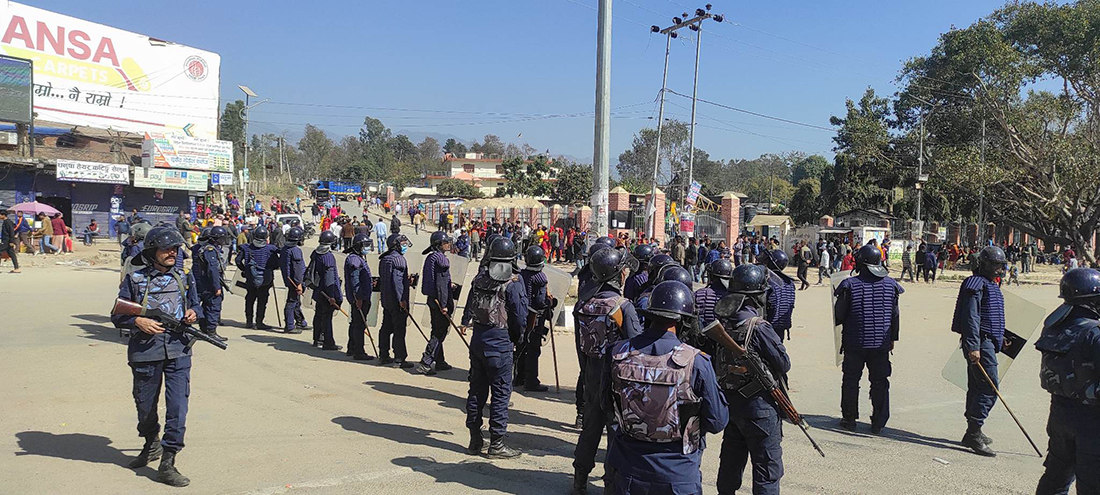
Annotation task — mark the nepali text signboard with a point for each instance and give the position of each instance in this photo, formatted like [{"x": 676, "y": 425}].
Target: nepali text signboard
[
  {"x": 102, "y": 173},
  {"x": 159, "y": 178},
  {"x": 94, "y": 75},
  {"x": 177, "y": 151}
]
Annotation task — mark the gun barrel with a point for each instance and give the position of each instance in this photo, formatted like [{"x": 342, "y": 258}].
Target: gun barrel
[{"x": 194, "y": 333}]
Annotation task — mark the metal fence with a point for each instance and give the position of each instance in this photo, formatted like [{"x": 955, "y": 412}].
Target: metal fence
[{"x": 709, "y": 223}]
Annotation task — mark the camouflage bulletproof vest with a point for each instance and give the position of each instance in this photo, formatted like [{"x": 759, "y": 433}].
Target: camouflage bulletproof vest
[
  {"x": 1067, "y": 368},
  {"x": 488, "y": 304},
  {"x": 597, "y": 324},
  {"x": 654, "y": 401},
  {"x": 165, "y": 292},
  {"x": 732, "y": 371}
]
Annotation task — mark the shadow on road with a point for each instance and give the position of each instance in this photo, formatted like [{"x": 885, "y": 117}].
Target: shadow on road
[
  {"x": 863, "y": 430},
  {"x": 99, "y": 328},
  {"x": 78, "y": 447},
  {"x": 400, "y": 433},
  {"x": 485, "y": 476},
  {"x": 452, "y": 401}
]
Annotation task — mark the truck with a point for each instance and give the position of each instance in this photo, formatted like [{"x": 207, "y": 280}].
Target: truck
[{"x": 341, "y": 190}]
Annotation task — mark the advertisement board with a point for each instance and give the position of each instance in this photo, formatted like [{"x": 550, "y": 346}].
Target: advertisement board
[
  {"x": 184, "y": 180},
  {"x": 15, "y": 90},
  {"x": 102, "y": 173},
  {"x": 162, "y": 150},
  {"x": 219, "y": 179},
  {"x": 94, "y": 75}
]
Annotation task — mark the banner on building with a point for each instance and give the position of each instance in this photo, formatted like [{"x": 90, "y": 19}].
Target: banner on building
[
  {"x": 693, "y": 195},
  {"x": 160, "y": 150},
  {"x": 184, "y": 180},
  {"x": 16, "y": 85},
  {"x": 94, "y": 75},
  {"x": 102, "y": 173},
  {"x": 687, "y": 223},
  {"x": 219, "y": 179}
]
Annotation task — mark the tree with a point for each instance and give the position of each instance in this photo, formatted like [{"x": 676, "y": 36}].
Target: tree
[
  {"x": 526, "y": 178},
  {"x": 231, "y": 128},
  {"x": 458, "y": 189},
  {"x": 428, "y": 150},
  {"x": 316, "y": 149},
  {"x": 574, "y": 186},
  {"x": 805, "y": 203},
  {"x": 811, "y": 167},
  {"x": 635, "y": 165},
  {"x": 454, "y": 147},
  {"x": 403, "y": 149},
  {"x": 1041, "y": 174},
  {"x": 865, "y": 172}
]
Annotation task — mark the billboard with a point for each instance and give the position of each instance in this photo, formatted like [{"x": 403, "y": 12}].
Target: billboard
[
  {"x": 159, "y": 178},
  {"x": 15, "y": 90},
  {"x": 183, "y": 152},
  {"x": 94, "y": 75},
  {"x": 102, "y": 173}
]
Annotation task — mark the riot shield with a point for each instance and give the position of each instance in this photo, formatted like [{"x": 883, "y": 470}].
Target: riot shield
[
  {"x": 558, "y": 282},
  {"x": 460, "y": 276},
  {"x": 1022, "y": 317},
  {"x": 835, "y": 280}
]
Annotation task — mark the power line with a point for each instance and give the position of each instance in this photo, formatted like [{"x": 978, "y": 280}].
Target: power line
[{"x": 756, "y": 114}]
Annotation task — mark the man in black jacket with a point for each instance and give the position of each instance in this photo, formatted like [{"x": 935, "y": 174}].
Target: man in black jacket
[{"x": 7, "y": 240}]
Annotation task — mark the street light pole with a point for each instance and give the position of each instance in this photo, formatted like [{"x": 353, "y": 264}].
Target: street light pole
[
  {"x": 602, "y": 135},
  {"x": 651, "y": 207},
  {"x": 694, "y": 97}
]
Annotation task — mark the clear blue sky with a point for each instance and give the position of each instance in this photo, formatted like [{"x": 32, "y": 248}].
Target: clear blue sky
[{"x": 537, "y": 58}]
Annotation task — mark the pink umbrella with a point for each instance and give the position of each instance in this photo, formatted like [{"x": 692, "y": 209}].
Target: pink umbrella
[{"x": 35, "y": 207}]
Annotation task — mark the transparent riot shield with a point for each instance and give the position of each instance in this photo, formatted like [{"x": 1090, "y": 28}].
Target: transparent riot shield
[
  {"x": 557, "y": 285},
  {"x": 835, "y": 280},
  {"x": 1022, "y": 317}
]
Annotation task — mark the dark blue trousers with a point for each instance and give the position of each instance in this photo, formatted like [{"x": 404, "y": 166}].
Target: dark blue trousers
[
  {"x": 489, "y": 374},
  {"x": 256, "y": 296},
  {"x": 356, "y": 338},
  {"x": 752, "y": 433},
  {"x": 595, "y": 416},
  {"x": 292, "y": 312},
  {"x": 322, "y": 323},
  {"x": 877, "y": 362},
  {"x": 211, "y": 313},
  {"x": 394, "y": 322},
  {"x": 1074, "y": 448},
  {"x": 175, "y": 374},
  {"x": 433, "y": 352},
  {"x": 980, "y": 397}
]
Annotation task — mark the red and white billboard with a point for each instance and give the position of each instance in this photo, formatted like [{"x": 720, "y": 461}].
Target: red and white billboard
[{"x": 95, "y": 75}]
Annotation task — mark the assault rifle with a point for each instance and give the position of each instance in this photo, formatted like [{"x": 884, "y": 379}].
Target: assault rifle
[
  {"x": 762, "y": 377},
  {"x": 130, "y": 308}
]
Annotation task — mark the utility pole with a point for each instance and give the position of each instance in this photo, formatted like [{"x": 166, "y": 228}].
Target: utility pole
[
  {"x": 920, "y": 172},
  {"x": 670, "y": 32},
  {"x": 263, "y": 155},
  {"x": 248, "y": 93},
  {"x": 602, "y": 135},
  {"x": 981, "y": 194}
]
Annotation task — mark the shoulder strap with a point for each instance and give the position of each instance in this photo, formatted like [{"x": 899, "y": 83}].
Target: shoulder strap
[{"x": 617, "y": 312}]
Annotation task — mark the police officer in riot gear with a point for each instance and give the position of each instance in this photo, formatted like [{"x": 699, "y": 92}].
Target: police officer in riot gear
[
  {"x": 395, "y": 284},
  {"x": 584, "y": 286},
  {"x": 535, "y": 330},
  {"x": 980, "y": 319},
  {"x": 209, "y": 273},
  {"x": 665, "y": 397},
  {"x": 293, "y": 269},
  {"x": 1070, "y": 371},
  {"x": 326, "y": 290},
  {"x": 867, "y": 307},
  {"x": 634, "y": 284},
  {"x": 496, "y": 306},
  {"x": 584, "y": 275},
  {"x": 658, "y": 265},
  {"x": 258, "y": 260},
  {"x": 719, "y": 273},
  {"x": 603, "y": 317},
  {"x": 357, "y": 288},
  {"x": 781, "y": 295},
  {"x": 755, "y": 428},
  {"x": 158, "y": 357},
  {"x": 438, "y": 288}
]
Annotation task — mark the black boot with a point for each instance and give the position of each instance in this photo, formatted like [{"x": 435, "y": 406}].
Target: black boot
[
  {"x": 214, "y": 334},
  {"x": 476, "y": 442},
  {"x": 973, "y": 440},
  {"x": 580, "y": 483},
  {"x": 167, "y": 472},
  {"x": 580, "y": 421},
  {"x": 497, "y": 450},
  {"x": 149, "y": 453}
]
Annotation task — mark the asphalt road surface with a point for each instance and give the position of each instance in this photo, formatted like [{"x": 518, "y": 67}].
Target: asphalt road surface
[{"x": 275, "y": 415}]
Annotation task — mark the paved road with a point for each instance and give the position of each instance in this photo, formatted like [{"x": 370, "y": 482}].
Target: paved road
[{"x": 274, "y": 415}]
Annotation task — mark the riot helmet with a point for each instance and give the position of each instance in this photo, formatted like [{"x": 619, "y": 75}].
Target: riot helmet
[
  {"x": 749, "y": 280},
  {"x": 992, "y": 263},
  {"x": 220, "y": 235},
  {"x": 161, "y": 237},
  {"x": 295, "y": 235},
  {"x": 644, "y": 252},
  {"x": 398, "y": 242},
  {"x": 774, "y": 259},
  {"x": 357, "y": 244},
  {"x": 607, "y": 266},
  {"x": 534, "y": 258},
  {"x": 720, "y": 271},
  {"x": 1080, "y": 287},
  {"x": 677, "y": 274},
  {"x": 869, "y": 259},
  {"x": 502, "y": 258},
  {"x": 259, "y": 236},
  {"x": 140, "y": 230},
  {"x": 671, "y": 300},
  {"x": 204, "y": 234},
  {"x": 657, "y": 263},
  {"x": 439, "y": 238},
  {"x": 328, "y": 239}
]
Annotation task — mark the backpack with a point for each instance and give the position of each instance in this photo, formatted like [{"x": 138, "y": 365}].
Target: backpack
[
  {"x": 488, "y": 302},
  {"x": 598, "y": 320},
  {"x": 654, "y": 400},
  {"x": 311, "y": 279}
]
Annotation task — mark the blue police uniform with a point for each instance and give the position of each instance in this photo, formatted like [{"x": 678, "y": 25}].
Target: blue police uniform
[
  {"x": 436, "y": 286},
  {"x": 1070, "y": 371},
  {"x": 394, "y": 285},
  {"x": 293, "y": 269},
  {"x": 755, "y": 428},
  {"x": 527, "y": 365},
  {"x": 208, "y": 272},
  {"x": 357, "y": 287},
  {"x": 259, "y": 265},
  {"x": 705, "y": 301},
  {"x": 462, "y": 245},
  {"x": 162, "y": 358},
  {"x": 491, "y": 356},
  {"x": 131, "y": 249},
  {"x": 780, "y": 302},
  {"x": 595, "y": 389},
  {"x": 867, "y": 306},
  {"x": 329, "y": 287},
  {"x": 584, "y": 280},
  {"x": 635, "y": 284},
  {"x": 641, "y": 466},
  {"x": 980, "y": 318}
]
